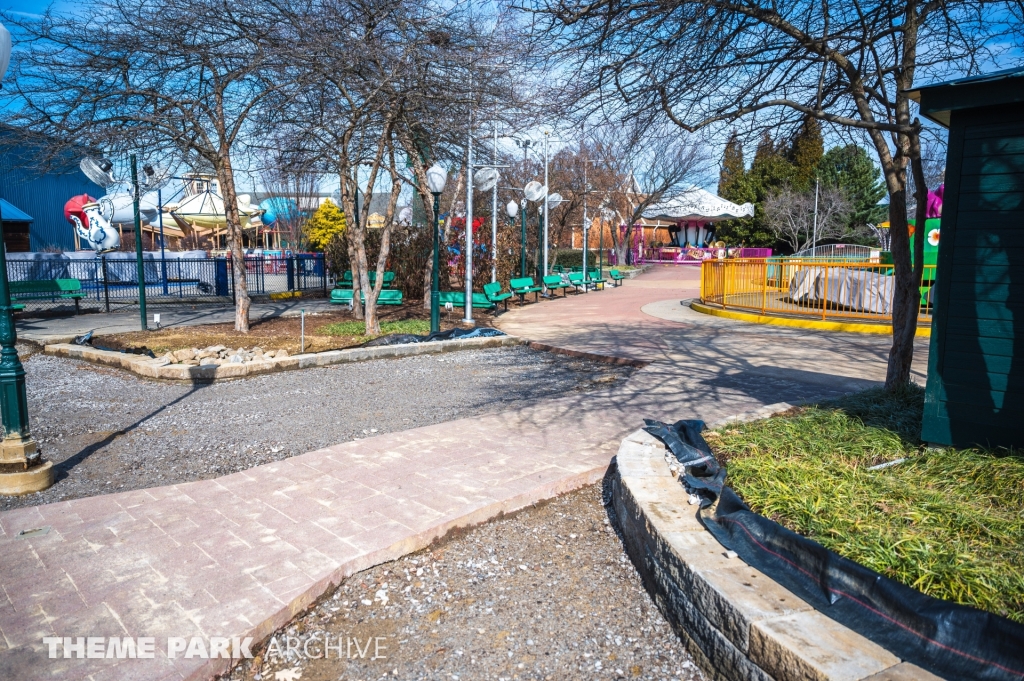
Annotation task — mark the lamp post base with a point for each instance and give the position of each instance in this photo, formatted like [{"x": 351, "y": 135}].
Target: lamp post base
[
  {"x": 34, "y": 479},
  {"x": 22, "y": 470}
]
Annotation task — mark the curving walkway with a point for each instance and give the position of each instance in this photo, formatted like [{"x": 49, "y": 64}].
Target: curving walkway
[{"x": 240, "y": 555}]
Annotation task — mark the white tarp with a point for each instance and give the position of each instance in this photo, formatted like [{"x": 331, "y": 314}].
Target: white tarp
[
  {"x": 698, "y": 204},
  {"x": 854, "y": 289}
]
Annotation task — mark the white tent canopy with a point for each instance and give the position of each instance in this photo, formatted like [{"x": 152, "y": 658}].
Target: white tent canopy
[{"x": 698, "y": 204}]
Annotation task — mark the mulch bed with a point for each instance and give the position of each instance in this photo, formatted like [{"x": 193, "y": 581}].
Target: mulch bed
[{"x": 278, "y": 332}]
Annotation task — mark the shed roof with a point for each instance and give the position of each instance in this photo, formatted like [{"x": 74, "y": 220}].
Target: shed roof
[
  {"x": 938, "y": 100},
  {"x": 11, "y": 213}
]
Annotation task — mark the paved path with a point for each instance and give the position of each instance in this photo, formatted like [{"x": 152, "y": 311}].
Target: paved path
[
  {"x": 62, "y": 329},
  {"x": 238, "y": 556}
]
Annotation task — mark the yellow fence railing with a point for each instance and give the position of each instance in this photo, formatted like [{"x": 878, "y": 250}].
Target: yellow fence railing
[{"x": 825, "y": 289}]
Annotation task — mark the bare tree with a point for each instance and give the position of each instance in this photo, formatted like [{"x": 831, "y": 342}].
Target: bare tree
[
  {"x": 800, "y": 218},
  {"x": 650, "y": 166},
  {"x": 116, "y": 78},
  {"x": 707, "y": 63}
]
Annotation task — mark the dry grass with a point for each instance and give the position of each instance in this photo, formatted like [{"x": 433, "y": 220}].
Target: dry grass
[{"x": 947, "y": 522}]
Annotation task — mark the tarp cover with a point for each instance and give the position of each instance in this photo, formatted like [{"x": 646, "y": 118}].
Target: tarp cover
[
  {"x": 855, "y": 289},
  {"x": 950, "y": 640}
]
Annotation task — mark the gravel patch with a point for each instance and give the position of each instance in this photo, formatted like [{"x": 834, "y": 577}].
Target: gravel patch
[
  {"x": 548, "y": 593},
  {"x": 107, "y": 430}
]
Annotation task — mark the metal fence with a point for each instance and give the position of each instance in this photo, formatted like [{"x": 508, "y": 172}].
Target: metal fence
[
  {"x": 808, "y": 288},
  {"x": 111, "y": 282}
]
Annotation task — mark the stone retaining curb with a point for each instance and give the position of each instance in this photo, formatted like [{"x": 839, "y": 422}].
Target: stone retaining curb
[
  {"x": 738, "y": 624},
  {"x": 158, "y": 368}
]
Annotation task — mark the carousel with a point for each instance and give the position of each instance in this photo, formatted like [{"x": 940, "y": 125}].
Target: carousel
[{"x": 690, "y": 223}]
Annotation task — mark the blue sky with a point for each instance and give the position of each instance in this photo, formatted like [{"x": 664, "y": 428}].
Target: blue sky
[{"x": 30, "y": 6}]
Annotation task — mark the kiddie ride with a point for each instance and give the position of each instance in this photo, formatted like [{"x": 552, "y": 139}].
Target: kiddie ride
[{"x": 84, "y": 213}]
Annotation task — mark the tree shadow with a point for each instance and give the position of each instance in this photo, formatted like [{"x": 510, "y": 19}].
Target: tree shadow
[{"x": 62, "y": 470}]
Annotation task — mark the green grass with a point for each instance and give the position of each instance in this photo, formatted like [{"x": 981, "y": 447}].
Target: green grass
[
  {"x": 417, "y": 326},
  {"x": 947, "y": 522}
]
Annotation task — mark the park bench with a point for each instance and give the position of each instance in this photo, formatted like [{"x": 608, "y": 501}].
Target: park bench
[
  {"x": 578, "y": 281},
  {"x": 494, "y": 294},
  {"x": 68, "y": 289},
  {"x": 553, "y": 282},
  {"x": 595, "y": 279},
  {"x": 525, "y": 285},
  {"x": 346, "y": 279},
  {"x": 458, "y": 299},
  {"x": 616, "y": 276},
  {"x": 387, "y": 296}
]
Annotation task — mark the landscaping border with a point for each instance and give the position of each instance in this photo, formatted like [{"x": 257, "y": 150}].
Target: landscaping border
[
  {"x": 738, "y": 624},
  {"x": 161, "y": 369},
  {"x": 799, "y": 323}
]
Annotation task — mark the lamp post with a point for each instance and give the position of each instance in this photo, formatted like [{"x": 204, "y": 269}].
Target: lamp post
[
  {"x": 24, "y": 469},
  {"x": 522, "y": 241},
  {"x": 512, "y": 210},
  {"x": 436, "y": 180},
  {"x": 140, "y": 268}
]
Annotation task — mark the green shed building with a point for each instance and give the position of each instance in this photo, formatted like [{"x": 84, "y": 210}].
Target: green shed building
[{"x": 975, "y": 391}]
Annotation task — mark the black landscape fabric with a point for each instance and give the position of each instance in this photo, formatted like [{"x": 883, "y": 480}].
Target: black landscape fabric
[
  {"x": 450, "y": 334},
  {"x": 950, "y": 640}
]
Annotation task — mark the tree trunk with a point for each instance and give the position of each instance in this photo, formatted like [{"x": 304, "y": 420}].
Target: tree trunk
[{"x": 226, "y": 175}]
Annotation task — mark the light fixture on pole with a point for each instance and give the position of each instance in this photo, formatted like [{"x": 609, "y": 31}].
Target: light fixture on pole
[
  {"x": 23, "y": 467},
  {"x": 512, "y": 210},
  {"x": 140, "y": 268},
  {"x": 534, "y": 192},
  {"x": 437, "y": 178}
]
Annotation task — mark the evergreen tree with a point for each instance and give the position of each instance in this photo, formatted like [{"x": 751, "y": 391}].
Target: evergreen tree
[
  {"x": 324, "y": 225},
  {"x": 851, "y": 169},
  {"x": 733, "y": 168},
  {"x": 805, "y": 154}
]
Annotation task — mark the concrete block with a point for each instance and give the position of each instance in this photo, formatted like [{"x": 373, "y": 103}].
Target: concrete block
[
  {"x": 641, "y": 461},
  {"x": 809, "y": 645},
  {"x": 733, "y": 596},
  {"x": 904, "y": 672},
  {"x": 642, "y": 437}
]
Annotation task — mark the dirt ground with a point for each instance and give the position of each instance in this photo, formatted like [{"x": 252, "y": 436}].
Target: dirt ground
[
  {"x": 546, "y": 594},
  {"x": 277, "y": 333}
]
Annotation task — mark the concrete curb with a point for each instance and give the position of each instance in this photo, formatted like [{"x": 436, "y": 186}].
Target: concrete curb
[
  {"x": 793, "y": 322},
  {"x": 592, "y": 356},
  {"x": 409, "y": 544},
  {"x": 155, "y": 368},
  {"x": 738, "y": 624}
]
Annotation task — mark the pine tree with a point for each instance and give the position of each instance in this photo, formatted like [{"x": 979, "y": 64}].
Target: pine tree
[
  {"x": 851, "y": 169},
  {"x": 805, "y": 154},
  {"x": 733, "y": 167}
]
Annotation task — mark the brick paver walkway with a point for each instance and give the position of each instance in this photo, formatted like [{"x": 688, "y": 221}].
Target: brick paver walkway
[{"x": 240, "y": 555}]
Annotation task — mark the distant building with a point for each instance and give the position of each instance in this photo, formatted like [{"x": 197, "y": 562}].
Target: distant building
[{"x": 38, "y": 191}]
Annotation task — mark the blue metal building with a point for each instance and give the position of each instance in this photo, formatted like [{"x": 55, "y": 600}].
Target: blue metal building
[{"x": 40, "y": 187}]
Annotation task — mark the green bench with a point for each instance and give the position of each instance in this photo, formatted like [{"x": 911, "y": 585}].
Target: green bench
[
  {"x": 458, "y": 299},
  {"x": 494, "y": 294},
  {"x": 525, "y": 285},
  {"x": 346, "y": 279},
  {"x": 68, "y": 289},
  {"x": 616, "y": 276},
  {"x": 553, "y": 282},
  {"x": 578, "y": 281},
  {"x": 388, "y": 296}
]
